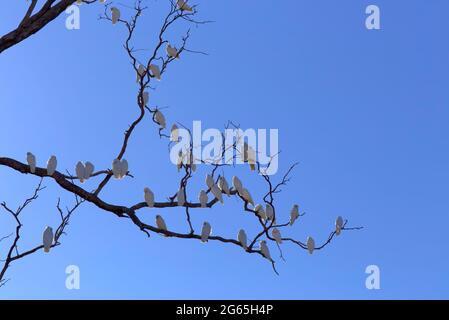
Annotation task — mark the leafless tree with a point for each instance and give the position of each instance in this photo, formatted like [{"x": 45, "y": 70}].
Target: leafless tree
[{"x": 32, "y": 22}]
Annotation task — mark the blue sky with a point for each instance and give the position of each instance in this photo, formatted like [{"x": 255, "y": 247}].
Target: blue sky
[{"x": 364, "y": 112}]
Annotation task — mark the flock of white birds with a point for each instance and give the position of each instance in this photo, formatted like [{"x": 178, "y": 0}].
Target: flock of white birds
[{"x": 120, "y": 169}]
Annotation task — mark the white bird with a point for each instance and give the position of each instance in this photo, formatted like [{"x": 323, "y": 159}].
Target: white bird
[
  {"x": 160, "y": 119},
  {"x": 89, "y": 170},
  {"x": 260, "y": 212},
  {"x": 172, "y": 52},
  {"x": 277, "y": 235},
  {"x": 310, "y": 244},
  {"x": 31, "y": 160},
  {"x": 174, "y": 133},
  {"x": 140, "y": 72},
  {"x": 269, "y": 211},
  {"x": 115, "y": 15},
  {"x": 182, "y": 5},
  {"x": 146, "y": 97},
  {"x": 160, "y": 223},
  {"x": 149, "y": 197},
  {"x": 217, "y": 193},
  {"x": 209, "y": 181},
  {"x": 252, "y": 158},
  {"x": 47, "y": 239},
  {"x": 206, "y": 232},
  {"x": 264, "y": 249},
  {"x": 237, "y": 184},
  {"x": 242, "y": 238},
  {"x": 338, "y": 225},
  {"x": 294, "y": 214},
  {"x": 80, "y": 171},
  {"x": 181, "y": 197},
  {"x": 155, "y": 71},
  {"x": 223, "y": 185},
  {"x": 203, "y": 198},
  {"x": 52, "y": 163},
  {"x": 119, "y": 168},
  {"x": 247, "y": 196}
]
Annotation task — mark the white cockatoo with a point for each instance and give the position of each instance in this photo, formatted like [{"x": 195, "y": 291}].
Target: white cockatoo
[
  {"x": 155, "y": 71},
  {"x": 237, "y": 184},
  {"x": 294, "y": 214},
  {"x": 146, "y": 97},
  {"x": 160, "y": 119},
  {"x": 209, "y": 181},
  {"x": 260, "y": 212},
  {"x": 115, "y": 15},
  {"x": 47, "y": 239},
  {"x": 119, "y": 168},
  {"x": 223, "y": 185},
  {"x": 172, "y": 52},
  {"x": 276, "y": 234},
  {"x": 160, "y": 223},
  {"x": 338, "y": 225},
  {"x": 247, "y": 196},
  {"x": 174, "y": 133},
  {"x": 183, "y": 6},
  {"x": 310, "y": 244},
  {"x": 203, "y": 198},
  {"x": 264, "y": 249},
  {"x": 217, "y": 193},
  {"x": 206, "y": 232},
  {"x": 52, "y": 163},
  {"x": 269, "y": 211},
  {"x": 181, "y": 197},
  {"x": 242, "y": 238},
  {"x": 149, "y": 197},
  {"x": 89, "y": 170},
  {"x": 141, "y": 70},
  {"x": 31, "y": 160}
]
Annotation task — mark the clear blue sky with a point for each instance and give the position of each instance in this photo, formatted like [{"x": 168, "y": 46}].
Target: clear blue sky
[{"x": 366, "y": 113}]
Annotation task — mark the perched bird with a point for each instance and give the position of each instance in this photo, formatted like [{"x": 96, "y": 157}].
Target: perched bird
[
  {"x": 242, "y": 238},
  {"x": 338, "y": 225},
  {"x": 174, "y": 133},
  {"x": 52, "y": 163},
  {"x": 115, "y": 15},
  {"x": 203, "y": 198},
  {"x": 237, "y": 184},
  {"x": 172, "y": 52},
  {"x": 310, "y": 244},
  {"x": 47, "y": 239},
  {"x": 31, "y": 160},
  {"x": 160, "y": 223},
  {"x": 146, "y": 97},
  {"x": 206, "y": 232},
  {"x": 119, "y": 168},
  {"x": 180, "y": 160},
  {"x": 89, "y": 170},
  {"x": 209, "y": 181},
  {"x": 223, "y": 185},
  {"x": 160, "y": 119},
  {"x": 141, "y": 70},
  {"x": 294, "y": 214},
  {"x": 252, "y": 158},
  {"x": 260, "y": 212},
  {"x": 155, "y": 71},
  {"x": 181, "y": 197},
  {"x": 217, "y": 193},
  {"x": 149, "y": 197},
  {"x": 269, "y": 211},
  {"x": 183, "y": 6},
  {"x": 247, "y": 196},
  {"x": 276, "y": 234},
  {"x": 264, "y": 249},
  {"x": 80, "y": 171}
]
